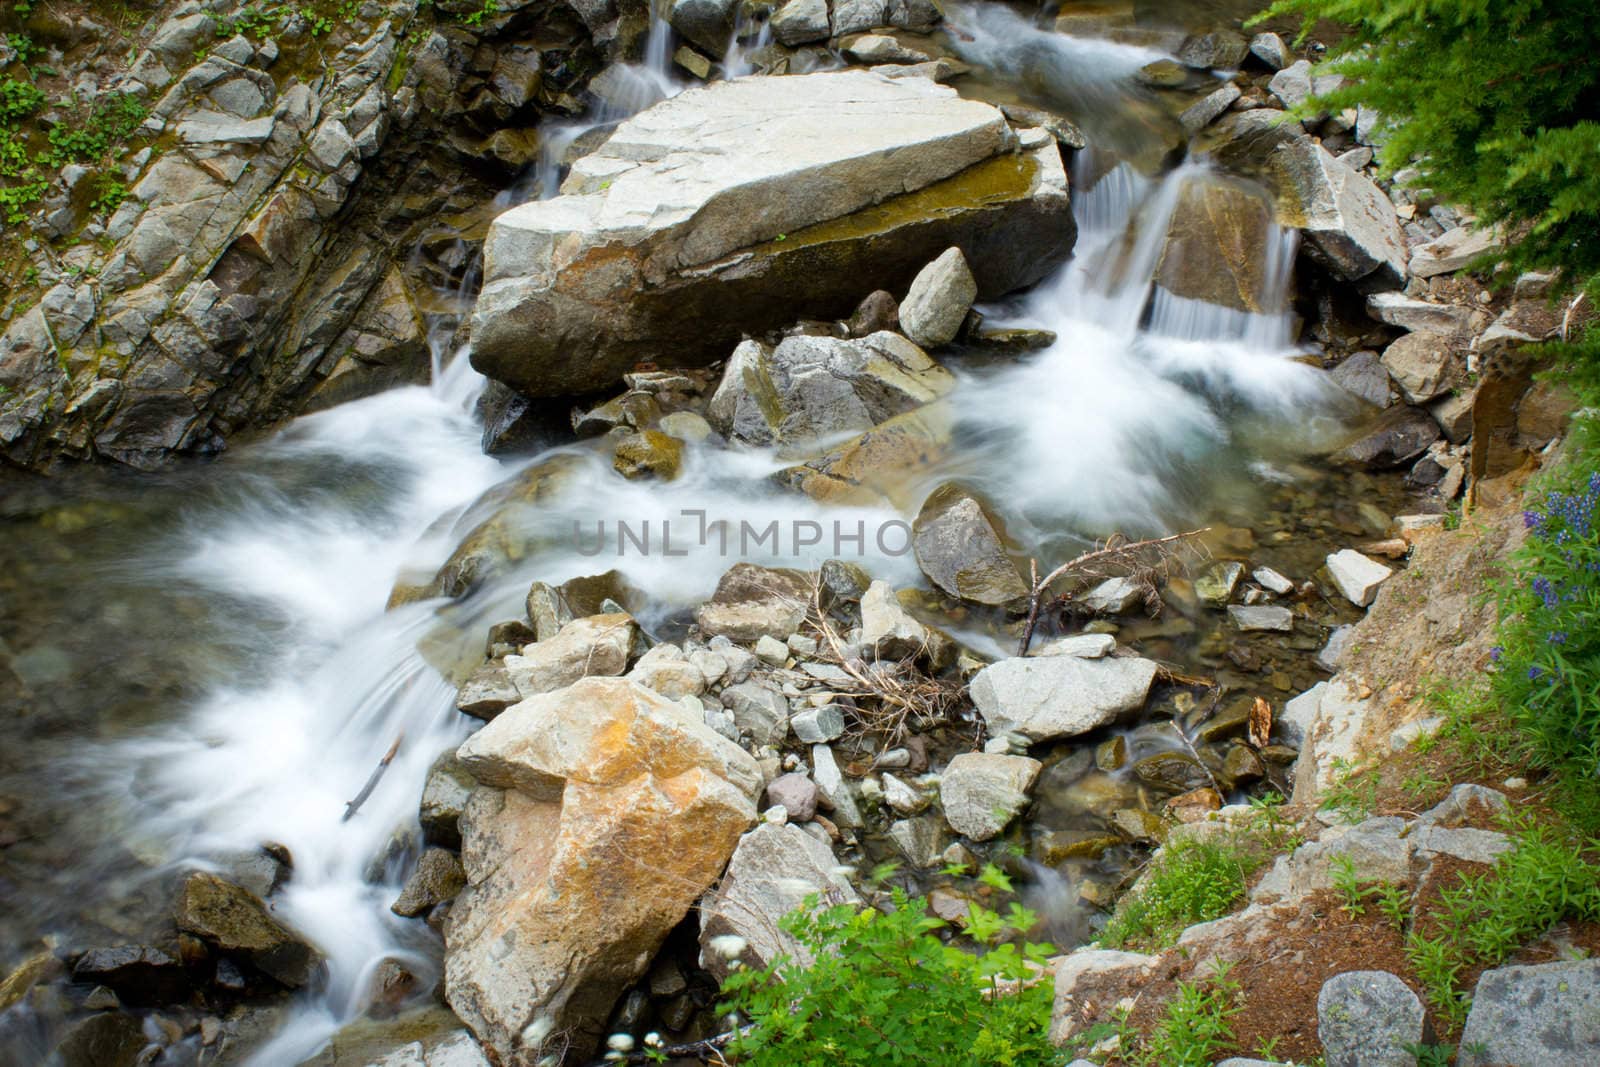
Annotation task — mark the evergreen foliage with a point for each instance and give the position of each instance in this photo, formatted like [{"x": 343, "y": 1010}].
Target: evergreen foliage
[{"x": 1497, "y": 102}]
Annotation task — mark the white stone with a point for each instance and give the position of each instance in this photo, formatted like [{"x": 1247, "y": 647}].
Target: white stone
[
  {"x": 982, "y": 793},
  {"x": 1113, "y": 596},
  {"x": 1272, "y": 581},
  {"x": 901, "y": 796},
  {"x": 818, "y": 725},
  {"x": 938, "y": 300},
  {"x": 832, "y": 787},
  {"x": 1083, "y": 646},
  {"x": 1261, "y": 617},
  {"x": 1452, "y": 250},
  {"x": 1060, "y": 696},
  {"x": 1357, "y": 576}
]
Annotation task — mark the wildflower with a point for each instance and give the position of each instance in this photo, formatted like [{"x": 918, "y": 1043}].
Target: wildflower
[
  {"x": 1534, "y": 673},
  {"x": 1558, "y": 637},
  {"x": 1495, "y": 653},
  {"x": 620, "y": 1043}
]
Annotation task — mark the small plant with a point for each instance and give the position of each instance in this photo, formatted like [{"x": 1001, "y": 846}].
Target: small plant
[
  {"x": 18, "y": 100},
  {"x": 109, "y": 196},
  {"x": 1269, "y": 825},
  {"x": 1430, "y": 1055},
  {"x": 1196, "y": 1027},
  {"x": 885, "y": 989},
  {"x": 1347, "y": 883},
  {"x": 489, "y": 9},
  {"x": 1189, "y": 882},
  {"x": 1353, "y": 793},
  {"x": 1395, "y": 904}
]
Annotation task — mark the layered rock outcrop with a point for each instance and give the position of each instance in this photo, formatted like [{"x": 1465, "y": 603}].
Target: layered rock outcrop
[{"x": 740, "y": 206}]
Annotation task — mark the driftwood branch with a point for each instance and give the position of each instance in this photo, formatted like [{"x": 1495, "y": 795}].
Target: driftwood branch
[
  {"x": 372, "y": 783},
  {"x": 1146, "y": 559}
]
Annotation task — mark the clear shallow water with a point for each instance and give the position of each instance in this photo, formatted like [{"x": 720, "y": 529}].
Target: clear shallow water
[{"x": 203, "y": 660}]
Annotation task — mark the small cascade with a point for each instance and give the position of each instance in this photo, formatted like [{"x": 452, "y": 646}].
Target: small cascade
[{"x": 752, "y": 32}]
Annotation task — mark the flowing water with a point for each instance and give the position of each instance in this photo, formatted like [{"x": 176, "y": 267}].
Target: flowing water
[{"x": 204, "y": 661}]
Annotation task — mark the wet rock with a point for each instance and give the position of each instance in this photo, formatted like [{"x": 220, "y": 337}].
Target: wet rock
[
  {"x": 1204, "y": 112},
  {"x": 878, "y": 311},
  {"x": 1081, "y": 646},
  {"x": 684, "y": 231},
  {"x": 1060, "y": 696},
  {"x": 1420, "y": 365},
  {"x": 871, "y": 48},
  {"x": 1369, "y": 1019},
  {"x": 708, "y": 23},
  {"x": 772, "y": 871},
  {"x": 1241, "y": 765},
  {"x": 1397, "y": 437},
  {"x": 796, "y": 793},
  {"x": 753, "y": 601},
  {"x": 140, "y": 975},
  {"x": 1114, "y": 596},
  {"x": 234, "y": 922},
  {"x": 1349, "y": 223},
  {"x": 1357, "y": 576},
  {"x": 551, "y": 929},
  {"x": 1111, "y": 754},
  {"x": 1176, "y": 772},
  {"x": 881, "y": 464},
  {"x": 648, "y": 454},
  {"x": 1547, "y": 1014},
  {"x": 1365, "y": 376},
  {"x": 938, "y": 301},
  {"x": 1141, "y": 826},
  {"x": 1272, "y": 581},
  {"x": 443, "y": 798},
  {"x": 438, "y": 877},
  {"x": 37, "y": 968},
  {"x": 1214, "y": 241},
  {"x": 487, "y": 692},
  {"x": 961, "y": 548},
  {"x": 808, "y": 388},
  {"x": 800, "y": 22},
  {"x": 109, "y": 1039},
  {"x": 1216, "y": 583},
  {"x": 1218, "y": 50},
  {"x": 596, "y": 645},
  {"x": 982, "y": 793},
  {"x": 1193, "y": 806},
  {"x": 1261, "y": 617},
  {"x": 1058, "y": 846},
  {"x": 891, "y": 631}
]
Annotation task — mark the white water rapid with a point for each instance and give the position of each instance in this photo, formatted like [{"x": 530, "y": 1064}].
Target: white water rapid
[{"x": 1145, "y": 410}]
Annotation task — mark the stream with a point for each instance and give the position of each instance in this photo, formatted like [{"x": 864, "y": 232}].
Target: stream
[{"x": 203, "y": 657}]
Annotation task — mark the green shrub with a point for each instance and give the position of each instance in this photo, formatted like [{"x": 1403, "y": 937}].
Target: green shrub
[
  {"x": 18, "y": 100},
  {"x": 1495, "y": 101},
  {"x": 885, "y": 990},
  {"x": 1196, "y": 1026},
  {"x": 1189, "y": 882}
]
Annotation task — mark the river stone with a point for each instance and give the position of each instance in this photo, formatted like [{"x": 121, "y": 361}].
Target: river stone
[
  {"x": 1349, "y": 223},
  {"x": 443, "y": 798},
  {"x": 801, "y": 22},
  {"x": 1270, "y": 49},
  {"x": 1083, "y": 646},
  {"x": 1060, "y": 696},
  {"x": 438, "y": 877},
  {"x": 1420, "y": 365},
  {"x": 105, "y": 1039},
  {"x": 808, "y": 388},
  {"x": 598, "y": 644},
  {"x": 1367, "y": 1018},
  {"x": 796, "y": 794},
  {"x": 960, "y": 547},
  {"x": 1214, "y": 243},
  {"x": 1218, "y": 50},
  {"x": 889, "y": 629},
  {"x": 1141, "y": 825},
  {"x": 752, "y": 602},
  {"x": 981, "y": 793},
  {"x": 1261, "y": 617},
  {"x": 1451, "y": 321},
  {"x": 707, "y": 23},
  {"x": 759, "y": 711},
  {"x": 1216, "y": 583},
  {"x": 236, "y": 924},
  {"x": 1204, "y": 112},
  {"x": 1357, "y": 576},
  {"x": 835, "y": 792},
  {"x": 1114, "y": 596},
  {"x": 669, "y": 672},
  {"x": 1364, "y": 375},
  {"x": 609, "y": 810},
  {"x": 773, "y": 870},
  {"x": 919, "y": 840},
  {"x": 741, "y": 206},
  {"x": 938, "y": 301},
  {"x": 1176, "y": 772},
  {"x": 885, "y": 464},
  {"x": 648, "y": 454},
  {"x": 1548, "y": 1014},
  {"x": 1394, "y": 439},
  {"x": 140, "y": 975}
]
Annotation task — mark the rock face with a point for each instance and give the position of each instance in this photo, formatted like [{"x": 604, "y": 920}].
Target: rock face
[
  {"x": 1214, "y": 249},
  {"x": 772, "y": 872},
  {"x": 1548, "y": 1014},
  {"x": 599, "y": 644},
  {"x": 813, "y": 387},
  {"x": 961, "y": 549},
  {"x": 608, "y": 811},
  {"x": 743, "y": 205},
  {"x": 1060, "y": 696},
  {"x": 236, "y": 925},
  {"x": 1349, "y": 223}
]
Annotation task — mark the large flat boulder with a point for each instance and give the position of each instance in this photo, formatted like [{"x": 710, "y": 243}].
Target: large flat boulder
[
  {"x": 606, "y": 811},
  {"x": 741, "y": 206},
  {"x": 1060, "y": 696}
]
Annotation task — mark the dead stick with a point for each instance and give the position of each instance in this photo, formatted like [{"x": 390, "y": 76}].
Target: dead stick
[
  {"x": 1033, "y": 608},
  {"x": 372, "y": 782}
]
